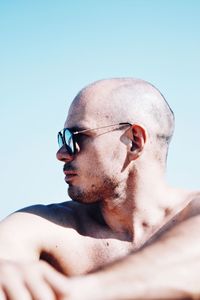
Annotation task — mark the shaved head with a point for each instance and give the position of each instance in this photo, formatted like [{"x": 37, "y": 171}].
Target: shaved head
[{"x": 127, "y": 100}]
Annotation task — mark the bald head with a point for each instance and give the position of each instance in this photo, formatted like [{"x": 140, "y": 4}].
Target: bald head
[{"x": 126, "y": 100}]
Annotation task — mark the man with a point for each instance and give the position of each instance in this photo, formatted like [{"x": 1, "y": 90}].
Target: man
[{"x": 114, "y": 147}]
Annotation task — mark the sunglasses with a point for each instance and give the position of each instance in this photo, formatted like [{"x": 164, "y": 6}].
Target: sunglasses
[{"x": 67, "y": 137}]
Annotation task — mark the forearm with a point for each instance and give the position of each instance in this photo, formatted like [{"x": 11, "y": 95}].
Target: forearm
[{"x": 167, "y": 269}]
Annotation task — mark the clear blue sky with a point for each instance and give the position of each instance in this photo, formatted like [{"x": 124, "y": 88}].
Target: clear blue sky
[{"x": 51, "y": 49}]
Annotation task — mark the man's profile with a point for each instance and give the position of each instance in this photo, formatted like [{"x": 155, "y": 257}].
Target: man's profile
[{"x": 114, "y": 148}]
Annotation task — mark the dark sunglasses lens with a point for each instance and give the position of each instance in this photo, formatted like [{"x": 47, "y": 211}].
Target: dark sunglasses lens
[
  {"x": 69, "y": 140},
  {"x": 60, "y": 140}
]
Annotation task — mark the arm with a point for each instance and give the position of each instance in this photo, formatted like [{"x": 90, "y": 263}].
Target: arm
[
  {"x": 22, "y": 275},
  {"x": 17, "y": 238},
  {"x": 167, "y": 269}
]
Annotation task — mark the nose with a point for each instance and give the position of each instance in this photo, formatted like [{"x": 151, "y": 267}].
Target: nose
[{"x": 64, "y": 155}]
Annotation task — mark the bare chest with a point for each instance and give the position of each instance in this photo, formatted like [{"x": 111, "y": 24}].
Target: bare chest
[{"x": 74, "y": 254}]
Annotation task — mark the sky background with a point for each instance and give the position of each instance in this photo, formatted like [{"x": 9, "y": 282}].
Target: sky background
[{"x": 49, "y": 50}]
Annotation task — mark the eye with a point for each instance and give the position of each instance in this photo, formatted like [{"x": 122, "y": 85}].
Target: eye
[
  {"x": 80, "y": 137},
  {"x": 81, "y": 140}
]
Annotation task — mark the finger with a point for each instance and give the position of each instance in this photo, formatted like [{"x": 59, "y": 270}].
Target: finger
[
  {"x": 56, "y": 280},
  {"x": 16, "y": 290},
  {"x": 2, "y": 295},
  {"x": 40, "y": 289}
]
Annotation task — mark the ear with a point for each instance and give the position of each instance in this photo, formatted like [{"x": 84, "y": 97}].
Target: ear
[{"x": 138, "y": 141}]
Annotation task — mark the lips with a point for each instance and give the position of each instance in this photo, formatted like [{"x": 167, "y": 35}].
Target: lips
[
  {"x": 69, "y": 177},
  {"x": 69, "y": 174}
]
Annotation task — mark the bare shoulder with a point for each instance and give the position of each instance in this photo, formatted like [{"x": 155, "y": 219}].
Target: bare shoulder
[
  {"x": 62, "y": 214},
  {"x": 22, "y": 234},
  {"x": 58, "y": 213}
]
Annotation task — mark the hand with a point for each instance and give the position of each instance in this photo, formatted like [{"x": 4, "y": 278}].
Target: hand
[
  {"x": 86, "y": 287},
  {"x": 31, "y": 281}
]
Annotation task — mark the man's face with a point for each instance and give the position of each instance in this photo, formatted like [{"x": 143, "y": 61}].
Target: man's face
[{"x": 95, "y": 171}]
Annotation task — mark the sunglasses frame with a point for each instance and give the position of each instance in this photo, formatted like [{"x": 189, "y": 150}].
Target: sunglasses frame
[{"x": 61, "y": 134}]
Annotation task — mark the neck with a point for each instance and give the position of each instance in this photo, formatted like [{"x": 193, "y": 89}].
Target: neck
[{"x": 145, "y": 204}]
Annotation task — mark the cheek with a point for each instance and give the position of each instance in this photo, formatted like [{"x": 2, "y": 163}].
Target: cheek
[
  {"x": 89, "y": 161},
  {"x": 102, "y": 156},
  {"x": 110, "y": 156}
]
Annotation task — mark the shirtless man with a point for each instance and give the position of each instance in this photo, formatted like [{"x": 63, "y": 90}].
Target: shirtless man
[{"x": 114, "y": 148}]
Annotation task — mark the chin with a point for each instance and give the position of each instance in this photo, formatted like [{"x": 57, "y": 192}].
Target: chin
[
  {"x": 81, "y": 196},
  {"x": 95, "y": 193}
]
